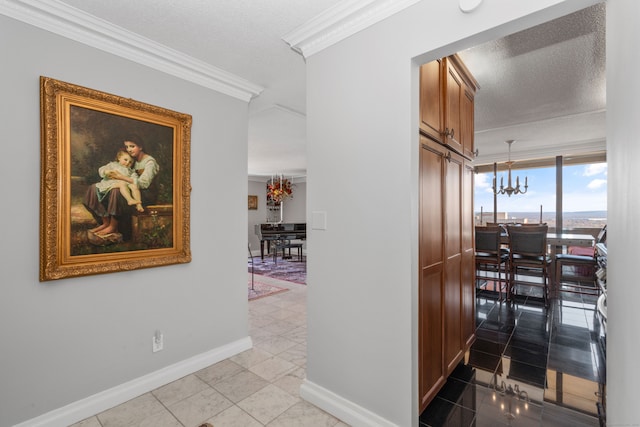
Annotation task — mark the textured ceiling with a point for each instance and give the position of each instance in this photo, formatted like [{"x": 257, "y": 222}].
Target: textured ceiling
[{"x": 543, "y": 87}]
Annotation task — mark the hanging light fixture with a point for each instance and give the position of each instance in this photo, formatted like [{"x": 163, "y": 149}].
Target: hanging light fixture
[
  {"x": 279, "y": 189},
  {"x": 509, "y": 189}
]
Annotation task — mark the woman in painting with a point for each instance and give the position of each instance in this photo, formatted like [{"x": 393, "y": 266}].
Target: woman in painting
[{"x": 110, "y": 209}]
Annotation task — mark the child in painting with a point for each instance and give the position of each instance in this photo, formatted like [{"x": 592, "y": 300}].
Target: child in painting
[
  {"x": 109, "y": 201},
  {"x": 123, "y": 165}
]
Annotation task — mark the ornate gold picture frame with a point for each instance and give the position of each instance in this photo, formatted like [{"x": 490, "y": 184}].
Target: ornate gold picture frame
[
  {"x": 253, "y": 202},
  {"x": 115, "y": 183}
]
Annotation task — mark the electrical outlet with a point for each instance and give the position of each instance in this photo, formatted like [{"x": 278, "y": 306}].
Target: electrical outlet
[{"x": 157, "y": 341}]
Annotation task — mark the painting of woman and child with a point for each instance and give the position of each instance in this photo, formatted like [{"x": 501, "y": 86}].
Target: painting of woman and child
[
  {"x": 122, "y": 203},
  {"x": 121, "y": 168}
]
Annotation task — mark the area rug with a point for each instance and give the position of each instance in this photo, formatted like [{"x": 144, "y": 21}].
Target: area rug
[
  {"x": 261, "y": 290},
  {"x": 290, "y": 270}
]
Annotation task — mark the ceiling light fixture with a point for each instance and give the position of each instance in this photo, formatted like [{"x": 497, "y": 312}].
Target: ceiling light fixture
[{"x": 509, "y": 189}]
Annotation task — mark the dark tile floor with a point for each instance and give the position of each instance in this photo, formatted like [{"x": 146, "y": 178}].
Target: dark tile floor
[{"x": 530, "y": 365}]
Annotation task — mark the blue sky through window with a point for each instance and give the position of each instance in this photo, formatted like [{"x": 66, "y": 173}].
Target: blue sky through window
[{"x": 585, "y": 189}]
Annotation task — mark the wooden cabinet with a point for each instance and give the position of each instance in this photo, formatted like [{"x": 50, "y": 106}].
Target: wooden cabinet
[
  {"x": 431, "y": 100},
  {"x": 466, "y": 123},
  {"x": 431, "y": 369},
  {"x": 447, "y": 91},
  {"x": 446, "y": 324},
  {"x": 446, "y": 283},
  {"x": 468, "y": 280}
]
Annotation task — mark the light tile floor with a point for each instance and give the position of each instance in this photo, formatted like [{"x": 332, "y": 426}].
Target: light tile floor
[{"x": 259, "y": 387}]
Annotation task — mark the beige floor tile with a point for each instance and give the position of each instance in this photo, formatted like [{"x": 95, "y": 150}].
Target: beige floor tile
[
  {"x": 268, "y": 403},
  {"x": 251, "y": 357},
  {"x": 163, "y": 419},
  {"x": 180, "y": 389},
  {"x": 280, "y": 327},
  {"x": 296, "y": 355},
  {"x": 282, "y": 314},
  {"x": 275, "y": 344},
  {"x": 219, "y": 371},
  {"x": 300, "y": 319},
  {"x": 273, "y": 368},
  {"x": 234, "y": 417},
  {"x": 304, "y": 414},
  {"x": 200, "y": 407},
  {"x": 260, "y": 320},
  {"x": 286, "y": 302},
  {"x": 258, "y": 335},
  {"x": 89, "y": 422},
  {"x": 257, "y": 308},
  {"x": 300, "y": 307},
  {"x": 298, "y": 335},
  {"x": 291, "y": 382},
  {"x": 131, "y": 413},
  {"x": 241, "y": 385}
]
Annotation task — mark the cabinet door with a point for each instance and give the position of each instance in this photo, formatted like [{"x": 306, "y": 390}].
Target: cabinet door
[
  {"x": 453, "y": 345},
  {"x": 431, "y": 100},
  {"x": 468, "y": 259},
  {"x": 453, "y": 105},
  {"x": 466, "y": 123},
  {"x": 431, "y": 280}
]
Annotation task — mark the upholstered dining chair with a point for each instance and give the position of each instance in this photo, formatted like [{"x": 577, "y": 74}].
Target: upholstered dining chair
[
  {"x": 578, "y": 268},
  {"x": 491, "y": 260},
  {"x": 528, "y": 257}
]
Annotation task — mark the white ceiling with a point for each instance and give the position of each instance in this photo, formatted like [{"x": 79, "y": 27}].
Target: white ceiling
[{"x": 543, "y": 87}]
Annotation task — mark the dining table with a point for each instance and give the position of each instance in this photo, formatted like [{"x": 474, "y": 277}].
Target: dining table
[
  {"x": 569, "y": 239},
  {"x": 555, "y": 240}
]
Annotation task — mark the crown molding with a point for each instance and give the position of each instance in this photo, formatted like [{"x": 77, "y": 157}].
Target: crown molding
[
  {"x": 278, "y": 107},
  {"x": 72, "y": 23},
  {"x": 340, "y": 22}
]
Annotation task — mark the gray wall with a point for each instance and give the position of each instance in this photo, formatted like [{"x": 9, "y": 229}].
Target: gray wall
[{"x": 66, "y": 340}]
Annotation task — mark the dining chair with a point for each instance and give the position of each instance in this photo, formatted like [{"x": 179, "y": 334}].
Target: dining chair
[
  {"x": 528, "y": 257},
  {"x": 578, "y": 268},
  {"x": 491, "y": 260},
  {"x": 284, "y": 243}
]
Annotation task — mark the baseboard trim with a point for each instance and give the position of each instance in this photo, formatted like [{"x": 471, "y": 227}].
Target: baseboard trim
[
  {"x": 347, "y": 411},
  {"x": 99, "y": 402}
]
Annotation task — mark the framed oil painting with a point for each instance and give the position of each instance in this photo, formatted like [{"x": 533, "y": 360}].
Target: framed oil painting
[
  {"x": 253, "y": 202},
  {"x": 115, "y": 184}
]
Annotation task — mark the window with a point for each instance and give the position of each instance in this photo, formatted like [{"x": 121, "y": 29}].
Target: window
[
  {"x": 519, "y": 207},
  {"x": 584, "y": 196},
  {"x": 583, "y": 193}
]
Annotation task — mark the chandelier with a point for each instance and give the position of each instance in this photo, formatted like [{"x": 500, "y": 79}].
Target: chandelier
[
  {"x": 509, "y": 189},
  {"x": 511, "y": 399},
  {"x": 278, "y": 189}
]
